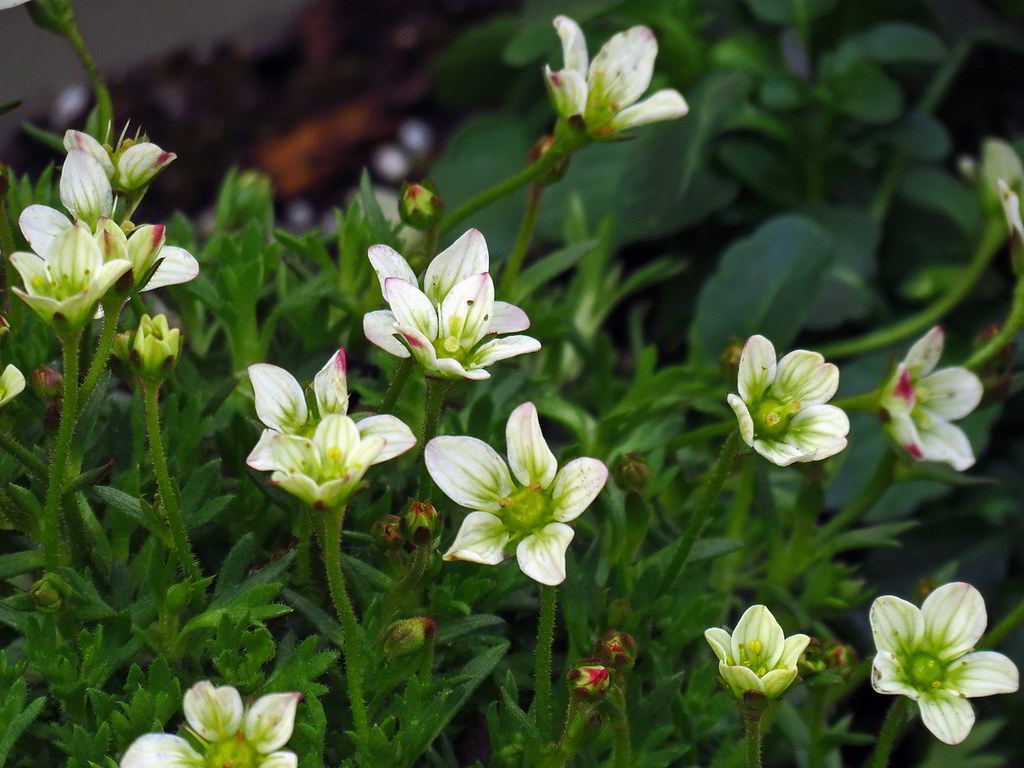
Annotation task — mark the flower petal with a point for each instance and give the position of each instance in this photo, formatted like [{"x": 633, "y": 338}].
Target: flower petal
[
  {"x": 507, "y": 318},
  {"x": 568, "y": 91},
  {"x": 954, "y": 619},
  {"x": 270, "y": 721},
  {"x": 574, "y": 44},
  {"x": 12, "y": 384},
  {"x": 757, "y": 368},
  {"x": 924, "y": 355},
  {"x": 466, "y": 311},
  {"x": 138, "y": 164},
  {"x": 280, "y": 759},
  {"x": 529, "y": 456},
  {"x": 743, "y": 417},
  {"x": 451, "y": 368},
  {"x": 501, "y": 349},
  {"x": 469, "y": 471},
  {"x": 481, "y": 539},
  {"x": 575, "y": 486},
  {"x": 33, "y": 271},
  {"x": 41, "y": 225},
  {"x": 421, "y": 347},
  {"x": 622, "y": 69},
  {"x": 942, "y": 441},
  {"x": 387, "y": 262},
  {"x": 984, "y": 673},
  {"x": 758, "y": 641},
  {"x": 819, "y": 432},
  {"x": 397, "y": 436},
  {"x": 411, "y": 307},
  {"x": 792, "y": 650},
  {"x": 887, "y": 676},
  {"x": 896, "y": 625},
  {"x": 84, "y": 188},
  {"x": 75, "y": 256},
  {"x": 280, "y": 403},
  {"x": 947, "y": 716},
  {"x": 666, "y": 104},
  {"x": 901, "y": 428},
  {"x": 335, "y": 436},
  {"x": 720, "y": 642},
  {"x": 952, "y": 393},
  {"x": 740, "y": 679},
  {"x": 89, "y": 145},
  {"x": 379, "y": 329},
  {"x": 542, "y": 555},
  {"x": 161, "y": 750},
  {"x": 331, "y": 386},
  {"x": 805, "y": 377},
  {"x": 299, "y": 485},
  {"x": 779, "y": 452},
  {"x": 466, "y": 256},
  {"x": 176, "y": 266},
  {"x": 777, "y": 681},
  {"x": 213, "y": 712}
]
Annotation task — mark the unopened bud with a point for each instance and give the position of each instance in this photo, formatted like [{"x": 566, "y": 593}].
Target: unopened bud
[
  {"x": 46, "y": 383},
  {"x": 49, "y": 593},
  {"x": 407, "y": 636},
  {"x": 420, "y": 522},
  {"x": 139, "y": 163},
  {"x": 839, "y": 656},
  {"x": 387, "y": 531},
  {"x": 589, "y": 679},
  {"x": 730, "y": 357},
  {"x": 419, "y": 205},
  {"x": 155, "y": 348},
  {"x": 617, "y": 649},
  {"x": 632, "y": 473}
]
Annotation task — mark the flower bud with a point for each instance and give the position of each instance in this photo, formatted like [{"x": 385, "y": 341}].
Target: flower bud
[
  {"x": 85, "y": 189},
  {"x": 91, "y": 147},
  {"x": 589, "y": 679},
  {"x": 156, "y": 347},
  {"x": 137, "y": 164},
  {"x": 46, "y": 383},
  {"x": 999, "y": 162},
  {"x": 419, "y": 205},
  {"x": 840, "y": 656},
  {"x": 542, "y": 147},
  {"x": 49, "y": 593},
  {"x": 387, "y": 532},
  {"x": 730, "y": 357},
  {"x": 420, "y": 522},
  {"x": 812, "y": 660},
  {"x": 407, "y": 636},
  {"x": 633, "y": 474},
  {"x": 617, "y": 649}
]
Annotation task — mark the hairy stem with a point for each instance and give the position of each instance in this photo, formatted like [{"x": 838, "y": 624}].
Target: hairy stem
[
  {"x": 752, "y": 739},
  {"x": 436, "y": 391},
  {"x": 889, "y": 736},
  {"x": 398, "y": 382},
  {"x": 860, "y": 504},
  {"x": 101, "y": 357},
  {"x": 514, "y": 264},
  {"x": 542, "y": 668},
  {"x": 621, "y": 748}
]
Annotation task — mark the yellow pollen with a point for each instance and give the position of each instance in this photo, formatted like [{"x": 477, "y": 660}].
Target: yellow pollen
[
  {"x": 936, "y": 684},
  {"x": 333, "y": 454},
  {"x": 755, "y": 646},
  {"x": 762, "y": 672}
]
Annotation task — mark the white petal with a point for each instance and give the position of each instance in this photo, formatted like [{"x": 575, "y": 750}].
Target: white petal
[
  {"x": 89, "y": 145},
  {"x": 451, "y": 368},
  {"x": 113, "y": 243},
  {"x": 379, "y": 329},
  {"x": 902, "y": 429},
  {"x": 951, "y": 392},
  {"x": 387, "y": 262},
  {"x": 666, "y": 104},
  {"x": 299, "y": 485},
  {"x": 622, "y": 69},
  {"x": 720, "y": 642},
  {"x": 466, "y": 256},
  {"x": 984, "y": 673},
  {"x": 529, "y": 456},
  {"x": 468, "y": 471},
  {"x": 574, "y": 44},
  {"x": 757, "y": 641},
  {"x": 335, "y": 436},
  {"x": 757, "y": 368},
  {"x": 161, "y": 750},
  {"x": 507, "y": 318},
  {"x": 740, "y": 679},
  {"x": 1011, "y": 208},
  {"x": 33, "y": 271},
  {"x": 568, "y": 91},
  {"x": 792, "y": 650},
  {"x": 819, "y": 431},
  {"x": 924, "y": 355},
  {"x": 942, "y": 441},
  {"x": 887, "y": 676},
  {"x": 481, "y": 539},
  {"x": 41, "y": 225},
  {"x": 262, "y": 457},
  {"x": 422, "y": 348},
  {"x": 270, "y": 720},
  {"x": 84, "y": 188},
  {"x": 138, "y": 164},
  {"x": 280, "y": 403},
  {"x": 176, "y": 266},
  {"x": 779, "y": 452},
  {"x": 411, "y": 307},
  {"x": 896, "y": 625},
  {"x": 281, "y": 759},
  {"x": 330, "y": 385},
  {"x": 743, "y": 417},
  {"x": 947, "y": 716},
  {"x": 397, "y": 436},
  {"x": 12, "y": 384},
  {"x": 542, "y": 555},
  {"x": 576, "y": 485},
  {"x": 500, "y": 349},
  {"x": 466, "y": 310},
  {"x": 954, "y": 619},
  {"x": 74, "y": 255},
  {"x": 805, "y": 377},
  {"x": 777, "y": 681},
  {"x": 213, "y": 712}
]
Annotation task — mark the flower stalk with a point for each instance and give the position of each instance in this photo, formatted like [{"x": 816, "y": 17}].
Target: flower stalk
[
  {"x": 542, "y": 667},
  {"x": 437, "y": 389},
  {"x": 397, "y": 384},
  {"x": 753, "y": 736},
  {"x": 889, "y": 736},
  {"x": 621, "y": 747},
  {"x": 104, "y": 348},
  {"x": 514, "y": 264}
]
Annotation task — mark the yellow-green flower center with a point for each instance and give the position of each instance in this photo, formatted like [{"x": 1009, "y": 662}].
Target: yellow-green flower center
[
  {"x": 772, "y": 417},
  {"x": 925, "y": 671},
  {"x": 526, "y": 511},
  {"x": 234, "y": 752}
]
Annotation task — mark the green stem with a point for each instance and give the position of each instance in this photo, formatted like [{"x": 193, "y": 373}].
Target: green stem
[
  {"x": 867, "y": 402},
  {"x": 514, "y": 264},
  {"x": 398, "y": 382},
  {"x": 708, "y": 495},
  {"x": 889, "y": 736},
  {"x": 61, "y": 449},
  {"x": 168, "y": 492},
  {"x": 28, "y": 459},
  {"x": 991, "y": 240},
  {"x": 427, "y": 659},
  {"x": 621, "y": 749},
  {"x": 857, "y": 507},
  {"x": 542, "y": 668},
  {"x": 352, "y": 645},
  {"x": 1009, "y": 623},
  {"x": 436, "y": 391},
  {"x": 104, "y": 104},
  {"x": 568, "y": 745},
  {"x": 752, "y": 739},
  {"x": 1014, "y": 322},
  {"x": 101, "y": 357}
]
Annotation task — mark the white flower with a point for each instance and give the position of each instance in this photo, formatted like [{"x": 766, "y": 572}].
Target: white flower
[
  {"x": 12, "y": 383},
  {"x": 927, "y": 654},
  {"x": 229, "y": 733},
  {"x": 131, "y": 165},
  {"x": 527, "y": 515},
  {"x": 604, "y": 93},
  {"x": 84, "y": 188},
  {"x": 319, "y": 457},
  {"x": 919, "y": 403},
  {"x": 781, "y": 404},
  {"x": 757, "y": 656},
  {"x": 445, "y": 324}
]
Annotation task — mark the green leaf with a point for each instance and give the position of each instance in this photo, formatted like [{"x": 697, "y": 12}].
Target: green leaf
[
  {"x": 863, "y": 91},
  {"x": 788, "y": 11}
]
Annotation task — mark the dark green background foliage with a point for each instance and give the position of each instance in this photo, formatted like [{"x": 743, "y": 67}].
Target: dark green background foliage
[{"x": 811, "y": 195}]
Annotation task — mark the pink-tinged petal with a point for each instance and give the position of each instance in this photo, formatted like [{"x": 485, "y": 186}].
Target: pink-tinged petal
[
  {"x": 280, "y": 402},
  {"x": 529, "y": 456},
  {"x": 954, "y": 619},
  {"x": 466, "y": 311},
  {"x": 500, "y": 349},
  {"x": 743, "y": 418},
  {"x": 757, "y": 368},
  {"x": 952, "y": 393},
  {"x": 176, "y": 266},
  {"x": 567, "y": 89},
  {"x": 666, "y": 104},
  {"x": 481, "y": 539},
  {"x": 261, "y": 457},
  {"x": 330, "y": 385},
  {"x": 41, "y": 225},
  {"x": 924, "y": 355},
  {"x": 144, "y": 248},
  {"x": 213, "y": 712},
  {"x": 574, "y": 44},
  {"x": 576, "y": 486},
  {"x": 466, "y": 256},
  {"x": 84, "y": 188},
  {"x": 161, "y": 750},
  {"x": 397, "y": 436},
  {"x": 468, "y": 471},
  {"x": 387, "y": 262},
  {"x": 901, "y": 428},
  {"x": 89, "y": 145},
  {"x": 379, "y": 329},
  {"x": 942, "y": 441},
  {"x": 805, "y": 377},
  {"x": 421, "y": 347},
  {"x": 541, "y": 556},
  {"x": 411, "y": 306},
  {"x": 903, "y": 393},
  {"x": 985, "y": 673},
  {"x": 138, "y": 164},
  {"x": 622, "y": 69},
  {"x": 270, "y": 721},
  {"x": 949, "y": 717},
  {"x": 896, "y": 625},
  {"x": 887, "y": 676},
  {"x": 507, "y": 318}
]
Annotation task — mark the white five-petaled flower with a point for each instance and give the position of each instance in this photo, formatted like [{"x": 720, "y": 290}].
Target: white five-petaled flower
[
  {"x": 604, "y": 91},
  {"x": 757, "y": 657},
  {"x": 12, "y": 383},
  {"x": 445, "y": 325},
  {"x": 919, "y": 403},
  {"x": 229, "y": 733},
  {"x": 319, "y": 457},
  {"x": 131, "y": 165},
  {"x": 781, "y": 406},
  {"x": 528, "y": 515},
  {"x": 927, "y": 654}
]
